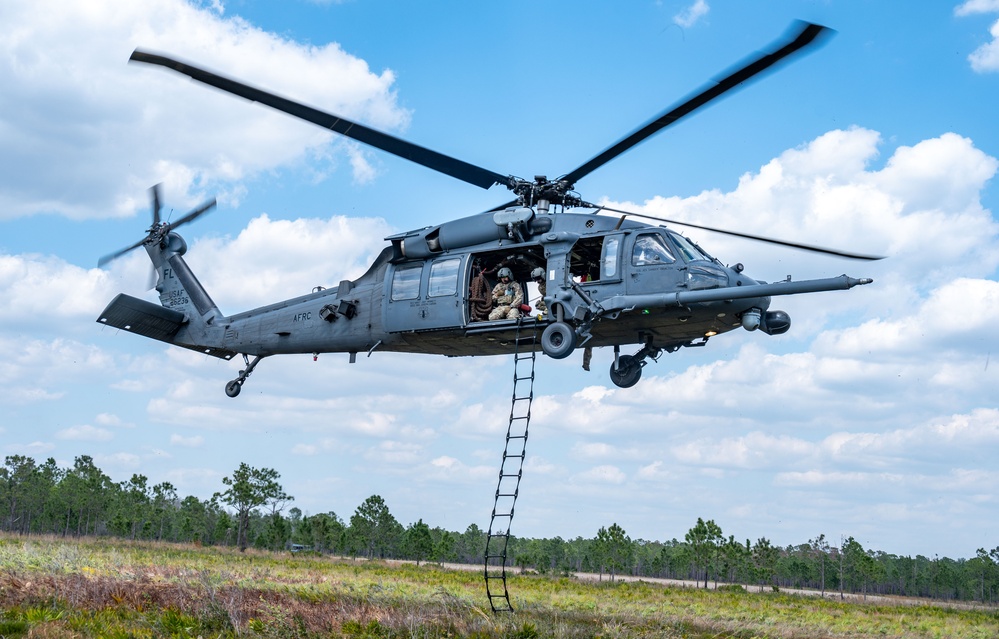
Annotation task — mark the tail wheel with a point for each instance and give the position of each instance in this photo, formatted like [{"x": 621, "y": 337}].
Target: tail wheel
[
  {"x": 232, "y": 388},
  {"x": 627, "y": 372},
  {"x": 558, "y": 340}
]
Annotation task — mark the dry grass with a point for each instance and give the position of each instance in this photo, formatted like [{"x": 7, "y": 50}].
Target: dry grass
[{"x": 102, "y": 588}]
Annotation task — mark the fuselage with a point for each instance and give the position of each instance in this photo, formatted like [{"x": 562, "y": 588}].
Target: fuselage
[{"x": 423, "y": 302}]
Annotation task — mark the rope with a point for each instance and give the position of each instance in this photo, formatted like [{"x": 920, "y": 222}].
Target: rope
[{"x": 480, "y": 298}]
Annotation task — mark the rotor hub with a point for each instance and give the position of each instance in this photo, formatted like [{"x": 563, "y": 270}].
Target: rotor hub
[{"x": 543, "y": 193}]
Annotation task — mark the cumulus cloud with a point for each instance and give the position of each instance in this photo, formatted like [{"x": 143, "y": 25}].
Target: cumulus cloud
[
  {"x": 925, "y": 199},
  {"x": 46, "y": 291},
  {"x": 986, "y": 57},
  {"x": 73, "y": 58},
  {"x": 271, "y": 260}
]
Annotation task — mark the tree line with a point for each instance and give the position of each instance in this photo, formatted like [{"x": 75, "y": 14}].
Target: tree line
[{"x": 43, "y": 498}]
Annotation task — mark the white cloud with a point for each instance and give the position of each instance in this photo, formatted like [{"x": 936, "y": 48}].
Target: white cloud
[
  {"x": 44, "y": 291},
  {"x": 73, "y": 58},
  {"x": 115, "y": 463},
  {"x": 110, "y": 419},
  {"x": 977, "y": 6},
  {"x": 690, "y": 15},
  {"x": 36, "y": 449},
  {"x": 194, "y": 441},
  {"x": 395, "y": 452},
  {"x": 86, "y": 433},
  {"x": 604, "y": 474},
  {"x": 37, "y": 370},
  {"x": 755, "y": 450},
  {"x": 447, "y": 468},
  {"x": 272, "y": 260},
  {"x": 925, "y": 200},
  {"x": 986, "y": 57}
]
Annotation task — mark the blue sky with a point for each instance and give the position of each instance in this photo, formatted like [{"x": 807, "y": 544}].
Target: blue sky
[{"x": 875, "y": 416}]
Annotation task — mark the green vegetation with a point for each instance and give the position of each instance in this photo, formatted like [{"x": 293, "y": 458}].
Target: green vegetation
[
  {"x": 51, "y": 587},
  {"x": 81, "y": 501}
]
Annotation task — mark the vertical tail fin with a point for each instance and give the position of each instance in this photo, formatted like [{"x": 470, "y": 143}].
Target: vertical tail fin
[
  {"x": 176, "y": 283},
  {"x": 187, "y": 315}
]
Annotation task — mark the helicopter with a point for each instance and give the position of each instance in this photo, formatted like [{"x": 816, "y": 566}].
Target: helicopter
[{"x": 607, "y": 279}]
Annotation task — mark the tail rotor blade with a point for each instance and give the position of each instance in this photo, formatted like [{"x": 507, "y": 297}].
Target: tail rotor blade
[
  {"x": 155, "y": 193},
  {"x": 193, "y": 215},
  {"x": 113, "y": 256}
]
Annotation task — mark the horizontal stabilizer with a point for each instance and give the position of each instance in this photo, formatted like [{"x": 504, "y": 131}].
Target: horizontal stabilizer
[
  {"x": 142, "y": 317},
  {"x": 152, "y": 320}
]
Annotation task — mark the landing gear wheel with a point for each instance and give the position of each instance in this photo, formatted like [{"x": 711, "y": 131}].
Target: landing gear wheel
[
  {"x": 232, "y": 388},
  {"x": 627, "y": 373},
  {"x": 558, "y": 340}
]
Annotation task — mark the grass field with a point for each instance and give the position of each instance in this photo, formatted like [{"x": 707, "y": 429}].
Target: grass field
[{"x": 111, "y": 588}]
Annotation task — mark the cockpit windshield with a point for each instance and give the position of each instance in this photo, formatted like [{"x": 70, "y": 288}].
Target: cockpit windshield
[{"x": 688, "y": 249}]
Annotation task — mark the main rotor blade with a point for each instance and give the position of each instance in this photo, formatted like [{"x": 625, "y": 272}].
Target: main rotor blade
[
  {"x": 201, "y": 210},
  {"x": 805, "y": 34},
  {"x": 439, "y": 162},
  {"x": 758, "y": 238}
]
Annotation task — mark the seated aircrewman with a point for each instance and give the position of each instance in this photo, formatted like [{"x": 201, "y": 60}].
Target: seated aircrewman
[{"x": 507, "y": 296}]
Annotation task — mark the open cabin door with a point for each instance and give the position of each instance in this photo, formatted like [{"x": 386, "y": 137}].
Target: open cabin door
[{"x": 426, "y": 295}]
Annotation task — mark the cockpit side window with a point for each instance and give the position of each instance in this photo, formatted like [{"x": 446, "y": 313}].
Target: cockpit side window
[
  {"x": 688, "y": 249},
  {"x": 650, "y": 249}
]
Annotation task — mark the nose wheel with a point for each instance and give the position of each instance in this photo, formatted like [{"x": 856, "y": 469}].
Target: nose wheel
[
  {"x": 233, "y": 387},
  {"x": 627, "y": 369}
]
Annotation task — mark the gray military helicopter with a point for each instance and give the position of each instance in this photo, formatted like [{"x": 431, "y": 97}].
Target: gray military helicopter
[{"x": 609, "y": 280}]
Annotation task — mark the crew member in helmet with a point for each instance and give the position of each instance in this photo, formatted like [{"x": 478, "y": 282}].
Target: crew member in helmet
[
  {"x": 507, "y": 296},
  {"x": 538, "y": 275}
]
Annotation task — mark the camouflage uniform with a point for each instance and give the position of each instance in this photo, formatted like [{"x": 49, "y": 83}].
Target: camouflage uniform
[
  {"x": 540, "y": 304},
  {"x": 508, "y": 298}
]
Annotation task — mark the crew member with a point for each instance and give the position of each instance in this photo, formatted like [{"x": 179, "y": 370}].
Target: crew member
[
  {"x": 538, "y": 275},
  {"x": 507, "y": 296}
]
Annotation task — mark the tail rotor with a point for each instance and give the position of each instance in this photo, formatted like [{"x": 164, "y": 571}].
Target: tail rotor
[{"x": 159, "y": 231}]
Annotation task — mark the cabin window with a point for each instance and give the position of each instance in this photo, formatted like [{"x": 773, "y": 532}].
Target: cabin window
[
  {"x": 406, "y": 283},
  {"x": 608, "y": 261},
  {"x": 649, "y": 250},
  {"x": 444, "y": 277}
]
